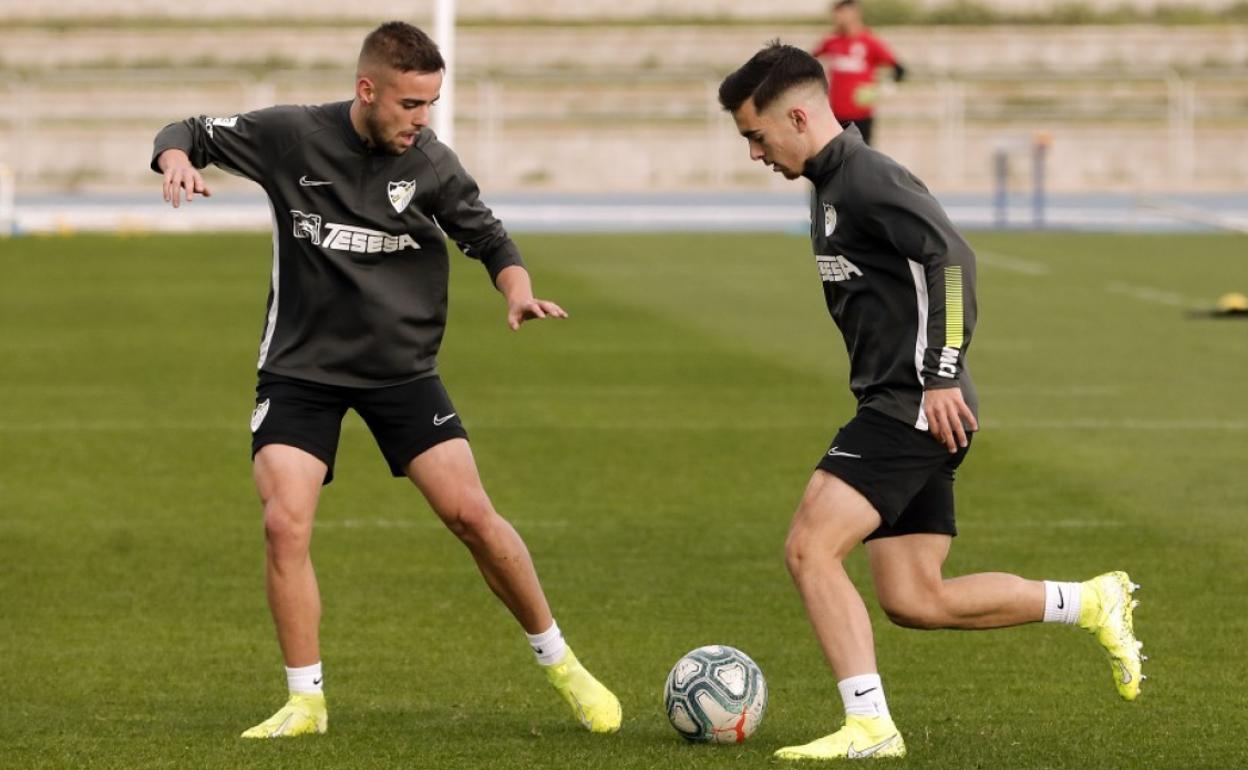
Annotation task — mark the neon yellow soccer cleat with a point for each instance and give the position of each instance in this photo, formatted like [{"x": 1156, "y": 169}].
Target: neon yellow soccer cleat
[
  {"x": 1108, "y": 613},
  {"x": 860, "y": 738},
  {"x": 303, "y": 714},
  {"x": 593, "y": 705}
]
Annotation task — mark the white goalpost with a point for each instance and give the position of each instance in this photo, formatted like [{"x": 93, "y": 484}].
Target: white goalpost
[
  {"x": 8, "y": 206},
  {"x": 444, "y": 36}
]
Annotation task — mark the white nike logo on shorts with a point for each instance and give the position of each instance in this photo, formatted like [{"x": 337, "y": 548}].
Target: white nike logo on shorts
[
  {"x": 836, "y": 452},
  {"x": 437, "y": 421}
]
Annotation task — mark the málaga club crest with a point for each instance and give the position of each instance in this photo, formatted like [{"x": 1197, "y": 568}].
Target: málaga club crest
[{"x": 401, "y": 194}]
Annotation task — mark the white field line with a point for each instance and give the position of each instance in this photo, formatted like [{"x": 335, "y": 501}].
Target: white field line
[
  {"x": 1129, "y": 424},
  {"x": 1050, "y": 390},
  {"x": 1135, "y": 291},
  {"x": 424, "y": 523},
  {"x": 1059, "y": 524},
  {"x": 367, "y": 523},
  {"x": 1149, "y": 294},
  {"x": 1185, "y": 213},
  {"x": 1011, "y": 263},
  {"x": 105, "y": 426}
]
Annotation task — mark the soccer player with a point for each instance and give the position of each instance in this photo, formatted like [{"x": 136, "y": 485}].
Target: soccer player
[
  {"x": 361, "y": 193},
  {"x": 899, "y": 281},
  {"x": 853, "y": 54}
]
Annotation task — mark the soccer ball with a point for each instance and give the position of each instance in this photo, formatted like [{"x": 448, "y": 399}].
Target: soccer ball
[{"x": 715, "y": 694}]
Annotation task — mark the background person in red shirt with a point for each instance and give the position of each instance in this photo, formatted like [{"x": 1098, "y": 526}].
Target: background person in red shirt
[{"x": 851, "y": 55}]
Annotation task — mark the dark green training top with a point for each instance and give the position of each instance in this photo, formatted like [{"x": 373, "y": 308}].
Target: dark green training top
[
  {"x": 360, "y": 266},
  {"x": 898, "y": 278}
]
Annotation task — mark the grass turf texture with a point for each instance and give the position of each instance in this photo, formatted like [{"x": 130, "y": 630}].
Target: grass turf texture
[{"x": 650, "y": 450}]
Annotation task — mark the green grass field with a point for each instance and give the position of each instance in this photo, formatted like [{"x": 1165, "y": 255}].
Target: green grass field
[{"x": 650, "y": 450}]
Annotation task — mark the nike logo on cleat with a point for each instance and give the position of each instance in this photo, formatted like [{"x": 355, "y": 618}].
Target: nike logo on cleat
[
  {"x": 437, "y": 421},
  {"x": 1126, "y": 675},
  {"x": 868, "y": 751},
  {"x": 579, "y": 709},
  {"x": 864, "y": 692}
]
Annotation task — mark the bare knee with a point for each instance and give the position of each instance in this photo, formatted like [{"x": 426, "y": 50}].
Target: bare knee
[
  {"x": 287, "y": 530},
  {"x": 829, "y": 523},
  {"x": 797, "y": 553},
  {"x": 811, "y": 543},
  {"x": 915, "y": 608},
  {"x": 471, "y": 518}
]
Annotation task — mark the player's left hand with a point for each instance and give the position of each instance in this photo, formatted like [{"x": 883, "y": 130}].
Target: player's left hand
[
  {"x": 946, "y": 412},
  {"x": 525, "y": 310}
]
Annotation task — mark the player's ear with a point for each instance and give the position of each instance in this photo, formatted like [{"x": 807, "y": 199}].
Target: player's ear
[
  {"x": 798, "y": 118},
  {"x": 365, "y": 89}
]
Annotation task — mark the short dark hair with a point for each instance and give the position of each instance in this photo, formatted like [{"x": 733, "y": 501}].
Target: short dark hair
[
  {"x": 402, "y": 47},
  {"x": 768, "y": 74},
  {"x": 839, "y": 4}
]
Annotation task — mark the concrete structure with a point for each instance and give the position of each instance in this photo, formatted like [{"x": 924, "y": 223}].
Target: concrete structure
[
  {"x": 632, "y": 108},
  {"x": 564, "y": 9}
]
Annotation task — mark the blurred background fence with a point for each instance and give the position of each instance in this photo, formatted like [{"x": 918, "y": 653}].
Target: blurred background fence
[
  {"x": 631, "y": 107},
  {"x": 601, "y": 115}
]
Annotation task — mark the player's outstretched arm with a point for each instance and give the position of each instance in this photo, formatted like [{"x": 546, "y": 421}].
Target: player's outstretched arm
[
  {"x": 180, "y": 176},
  {"x": 946, "y": 412},
  {"x": 513, "y": 281}
]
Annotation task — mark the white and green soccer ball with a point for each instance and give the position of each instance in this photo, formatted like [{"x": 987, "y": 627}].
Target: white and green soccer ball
[{"x": 715, "y": 694}]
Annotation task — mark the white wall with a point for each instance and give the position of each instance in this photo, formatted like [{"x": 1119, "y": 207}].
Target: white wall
[{"x": 421, "y": 9}]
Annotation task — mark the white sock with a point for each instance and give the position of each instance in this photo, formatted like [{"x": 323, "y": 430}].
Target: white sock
[
  {"x": 863, "y": 695},
  {"x": 1062, "y": 602},
  {"x": 305, "y": 679},
  {"x": 548, "y": 646}
]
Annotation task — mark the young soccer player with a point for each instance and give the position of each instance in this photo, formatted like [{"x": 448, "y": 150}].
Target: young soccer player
[
  {"x": 899, "y": 282},
  {"x": 361, "y": 193}
]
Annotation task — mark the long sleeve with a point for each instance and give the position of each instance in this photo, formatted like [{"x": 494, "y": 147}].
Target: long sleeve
[
  {"x": 879, "y": 53},
  {"x": 907, "y": 216},
  {"x": 467, "y": 220},
  {"x": 240, "y": 144}
]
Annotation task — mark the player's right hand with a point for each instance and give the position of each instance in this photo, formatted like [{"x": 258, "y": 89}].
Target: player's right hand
[
  {"x": 181, "y": 176},
  {"x": 947, "y": 411}
]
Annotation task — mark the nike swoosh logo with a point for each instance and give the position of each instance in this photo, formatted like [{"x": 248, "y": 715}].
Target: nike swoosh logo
[
  {"x": 836, "y": 452},
  {"x": 305, "y": 182},
  {"x": 864, "y": 692},
  {"x": 868, "y": 751},
  {"x": 316, "y": 681},
  {"x": 1126, "y": 675},
  {"x": 579, "y": 709},
  {"x": 1061, "y": 600},
  {"x": 441, "y": 420}
]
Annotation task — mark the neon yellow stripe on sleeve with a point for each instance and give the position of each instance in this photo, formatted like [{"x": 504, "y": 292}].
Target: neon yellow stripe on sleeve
[{"x": 953, "y": 306}]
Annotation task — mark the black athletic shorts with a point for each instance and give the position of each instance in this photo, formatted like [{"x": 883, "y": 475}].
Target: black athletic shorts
[
  {"x": 904, "y": 472},
  {"x": 405, "y": 420}
]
